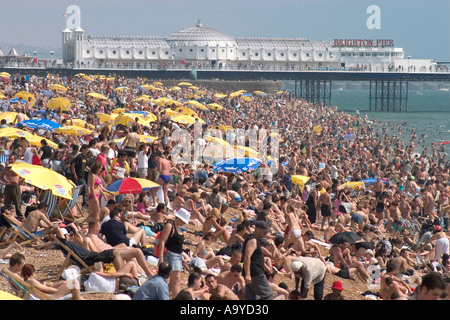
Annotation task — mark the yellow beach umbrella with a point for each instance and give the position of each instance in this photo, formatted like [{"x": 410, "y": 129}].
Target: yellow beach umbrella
[
  {"x": 57, "y": 87},
  {"x": 80, "y": 75},
  {"x": 142, "y": 138},
  {"x": 25, "y": 96},
  {"x": 246, "y": 98},
  {"x": 172, "y": 113},
  {"x": 128, "y": 119},
  {"x": 220, "y": 95},
  {"x": 175, "y": 88},
  {"x": 248, "y": 152},
  {"x": 8, "y": 296},
  {"x": 35, "y": 141},
  {"x": 87, "y": 78},
  {"x": 300, "y": 181},
  {"x": 15, "y": 133},
  {"x": 194, "y": 87},
  {"x": 5, "y": 75},
  {"x": 219, "y": 151},
  {"x": 186, "y": 111},
  {"x": 151, "y": 117},
  {"x": 82, "y": 123},
  {"x": 185, "y": 119},
  {"x": 185, "y": 84},
  {"x": 119, "y": 110},
  {"x": 60, "y": 103},
  {"x": 107, "y": 118},
  {"x": 97, "y": 96},
  {"x": 351, "y": 184},
  {"x": 121, "y": 88},
  {"x": 73, "y": 130},
  {"x": 214, "y": 106},
  {"x": 157, "y": 83},
  {"x": 45, "y": 179},
  {"x": 10, "y": 116},
  {"x": 216, "y": 140},
  {"x": 196, "y": 104}
]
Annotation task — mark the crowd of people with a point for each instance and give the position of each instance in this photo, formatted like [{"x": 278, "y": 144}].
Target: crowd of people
[{"x": 358, "y": 177}]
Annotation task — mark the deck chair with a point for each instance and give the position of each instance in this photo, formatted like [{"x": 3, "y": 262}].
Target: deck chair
[
  {"x": 23, "y": 289},
  {"x": 66, "y": 212},
  {"x": 20, "y": 234},
  {"x": 52, "y": 203},
  {"x": 70, "y": 259}
]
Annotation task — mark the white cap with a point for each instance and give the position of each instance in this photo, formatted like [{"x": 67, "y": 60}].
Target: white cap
[
  {"x": 296, "y": 265},
  {"x": 368, "y": 251},
  {"x": 183, "y": 214}
]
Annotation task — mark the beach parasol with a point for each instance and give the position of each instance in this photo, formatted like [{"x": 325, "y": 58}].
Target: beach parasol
[
  {"x": 47, "y": 93},
  {"x": 196, "y": 104},
  {"x": 364, "y": 244},
  {"x": 157, "y": 83},
  {"x": 8, "y": 296},
  {"x": 346, "y": 236},
  {"x": 97, "y": 96},
  {"x": 36, "y": 141},
  {"x": 131, "y": 186},
  {"x": 45, "y": 179},
  {"x": 187, "y": 111},
  {"x": 10, "y": 116},
  {"x": 82, "y": 123},
  {"x": 73, "y": 130},
  {"x": 60, "y": 103},
  {"x": 185, "y": 119},
  {"x": 15, "y": 133},
  {"x": 128, "y": 120},
  {"x": 44, "y": 124},
  {"x": 175, "y": 88},
  {"x": 107, "y": 118},
  {"x": 248, "y": 152},
  {"x": 237, "y": 165},
  {"x": 142, "y": 138},
  {"x": 121, "y": 88},
  {"x": 351, "y": 184},
  {"x": 57, "y": 87},
  {"x": 214, "y": 106},
  {"x": 187, "y": 84},
  {"x": 300, "y": 180}
]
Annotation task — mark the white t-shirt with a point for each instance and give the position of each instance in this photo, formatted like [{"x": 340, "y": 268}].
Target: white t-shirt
[
  {"x": 142, "y": 160},
  {"x": 28, "y": 155}
]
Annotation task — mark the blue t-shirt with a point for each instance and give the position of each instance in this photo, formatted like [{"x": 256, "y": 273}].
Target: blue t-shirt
[
  {"x": 155, "y": 288},
  {"x": 115, "y": 232}
]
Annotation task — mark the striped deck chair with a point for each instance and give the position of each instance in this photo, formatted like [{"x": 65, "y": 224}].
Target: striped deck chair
[
  {"x": 25, "y": 290},
  {"x": 52, "y": 203},
  {"x": 3, "y": 158},
  {"x": 71, "y": 258},
  {"x": 66, "y": 212},
  {"x": 20, "y": 234}
]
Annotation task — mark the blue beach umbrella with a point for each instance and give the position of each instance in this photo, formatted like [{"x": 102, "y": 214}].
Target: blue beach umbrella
[
  {"x": 237, "y": 165},
  {"x": 44, "y": 124},
  {"x": 47, "y": 93}
]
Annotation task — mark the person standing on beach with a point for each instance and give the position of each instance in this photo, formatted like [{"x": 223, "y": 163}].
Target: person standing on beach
[
  {"x": 164, "y": 166},
  {"x": 256, "y": 283}
]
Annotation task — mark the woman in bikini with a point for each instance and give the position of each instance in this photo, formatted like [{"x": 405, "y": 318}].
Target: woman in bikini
[{"x": 95, "y": 189}]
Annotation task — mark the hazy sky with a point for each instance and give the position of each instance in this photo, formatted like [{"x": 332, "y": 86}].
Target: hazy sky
[{"x": 421, "y": 27}]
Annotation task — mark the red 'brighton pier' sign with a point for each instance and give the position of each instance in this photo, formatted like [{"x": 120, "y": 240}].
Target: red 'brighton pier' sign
[{"x": 363, "y": 43}]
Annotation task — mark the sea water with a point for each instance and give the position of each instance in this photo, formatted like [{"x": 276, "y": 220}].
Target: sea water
[{"x": 428, "y": 113}]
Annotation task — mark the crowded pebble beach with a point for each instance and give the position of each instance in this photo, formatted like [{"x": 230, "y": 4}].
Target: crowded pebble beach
[{"x": 117, "y": 188}]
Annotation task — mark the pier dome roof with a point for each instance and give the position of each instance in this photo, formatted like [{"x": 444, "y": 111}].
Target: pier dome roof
[{"x": 201, "y": 36}]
